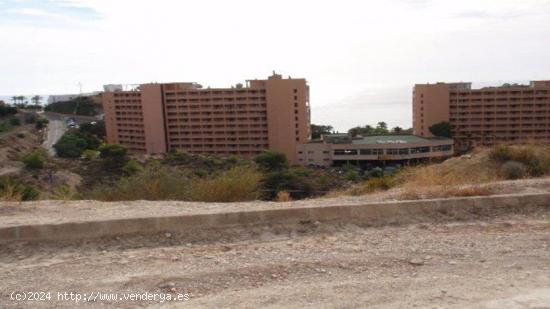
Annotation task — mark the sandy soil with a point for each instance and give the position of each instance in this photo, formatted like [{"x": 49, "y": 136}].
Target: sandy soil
[
  {"x": 500, "y": 263},
  {"x": 15, "y": 213}
]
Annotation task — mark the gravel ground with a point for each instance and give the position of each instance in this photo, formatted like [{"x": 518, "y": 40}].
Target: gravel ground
[
  {"x": 499, "y": 263},
  {"x": 41, "y": 212}
]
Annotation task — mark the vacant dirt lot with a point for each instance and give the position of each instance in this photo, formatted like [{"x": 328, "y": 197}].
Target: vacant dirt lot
[{"x": 500, "y": 263}]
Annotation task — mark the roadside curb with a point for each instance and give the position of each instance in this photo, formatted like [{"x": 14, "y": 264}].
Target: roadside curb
[{"x": 372, "y": 214}]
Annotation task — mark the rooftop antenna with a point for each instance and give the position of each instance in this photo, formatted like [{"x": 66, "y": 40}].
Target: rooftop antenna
[{"x": 80, "y": 88}]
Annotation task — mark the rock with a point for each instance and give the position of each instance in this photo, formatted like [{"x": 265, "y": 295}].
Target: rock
[
  {"x": 167, "y": 285},
  {"x": 451, "y": 262},
  {"x": 168, "y": 235},
  {"x": 416, "y": 262}
]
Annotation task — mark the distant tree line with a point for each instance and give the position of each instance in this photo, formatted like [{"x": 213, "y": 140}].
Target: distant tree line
[
  {"x": 78, "y": 106},
  {"x": 380, "y": 129}
]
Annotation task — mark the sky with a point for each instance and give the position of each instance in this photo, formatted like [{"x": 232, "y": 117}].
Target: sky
[{"x": 361, "y": 58}]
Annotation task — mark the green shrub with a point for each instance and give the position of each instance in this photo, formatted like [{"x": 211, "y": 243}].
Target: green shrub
[
  {"x": 35, "y": 159},
  {"x": 113, "y": 152},
  {"x": 178, "y": 157},
  {"x": 15, "y": 121},
  {"x": 271, "y": 160},
  {"x": 41, "y": 123},
  {"x": 131, "y": 167},
  {"x": 97, "y": 129},
  {"x": 90, "y": 154},
  {"x": 11, "y": 190},
  {"x": 376, "y": 172},
  {"x": 70, "y": 145},
  {"x": 237, "y": 184},
  {"x": 352, "y": 176},
  {"x": 64, "y": 193},
  {"x": 513, "y": 170},
  {"x": 6, "y": 110}
]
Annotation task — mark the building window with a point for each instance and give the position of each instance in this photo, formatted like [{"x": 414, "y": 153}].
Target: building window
[
  {"x": 420, "y": 150},
  {"x": 371, "y": 152},
  {"x": 295, "y": 90},
  {"x": 442, "y": 148},
  {"x": 345, "y": 152}
]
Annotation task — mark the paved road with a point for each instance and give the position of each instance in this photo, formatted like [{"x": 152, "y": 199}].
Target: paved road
[{"x": 56, "y": 129}]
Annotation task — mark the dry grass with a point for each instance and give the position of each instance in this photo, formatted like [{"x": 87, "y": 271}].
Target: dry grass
[
  {"x": 10, "y": 193},
  {"x": 459, "y": 176},
  {"x": 236, "y": 185},
  {"x": 153, "y": 183},
  {"x": 445, "y": 192},
  {"x": 283, "y": 196},
  {"x": 64, "y": 193}
]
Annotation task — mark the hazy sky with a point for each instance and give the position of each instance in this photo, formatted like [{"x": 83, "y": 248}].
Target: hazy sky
[{"x": 361, "y": 58}]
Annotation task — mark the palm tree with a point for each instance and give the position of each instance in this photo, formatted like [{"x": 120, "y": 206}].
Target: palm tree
[
  {"x": 36, "y": 99},
  {"x": 397, "y": 130},
  {"x": 14, "y": 99},
  {"x": 22, "y": 98},
  {"x": 382, "y": 125}
]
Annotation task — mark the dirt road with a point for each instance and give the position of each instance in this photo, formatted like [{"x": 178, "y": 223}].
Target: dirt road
[
  {"x": 56, "y": 129},
  {"x": 500, "y": 263}
]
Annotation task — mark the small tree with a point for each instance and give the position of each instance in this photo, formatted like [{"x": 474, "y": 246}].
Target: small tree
[
  {"x": 113, "y": 152},
  {"x": 271, "y": 160},
  {"x": 441, "y": 129},
  {"x": 15, "y": 121},
  {"x": 35, "y": 159},
  {"x": 41, "y": 123},
  {"x": 70, "y": 145},
  {"x": 131, "y": 167},
  {"x": 36, "y": 99},
  {"x": 318, "y": 130}
]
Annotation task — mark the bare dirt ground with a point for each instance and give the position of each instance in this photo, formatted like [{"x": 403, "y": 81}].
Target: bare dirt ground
[{"x": 502, "y": 262}]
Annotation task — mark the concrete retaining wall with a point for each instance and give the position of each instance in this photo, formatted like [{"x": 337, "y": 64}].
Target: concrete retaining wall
[{"x": 369, "y": 214}]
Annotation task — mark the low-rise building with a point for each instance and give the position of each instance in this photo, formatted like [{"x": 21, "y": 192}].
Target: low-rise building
[{"x": 338, "y": 149}]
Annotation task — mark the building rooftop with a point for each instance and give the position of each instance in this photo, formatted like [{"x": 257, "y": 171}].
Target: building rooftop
[
  {"x": 344, "y": 138},
  {"x": 390, "y": 139}
]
